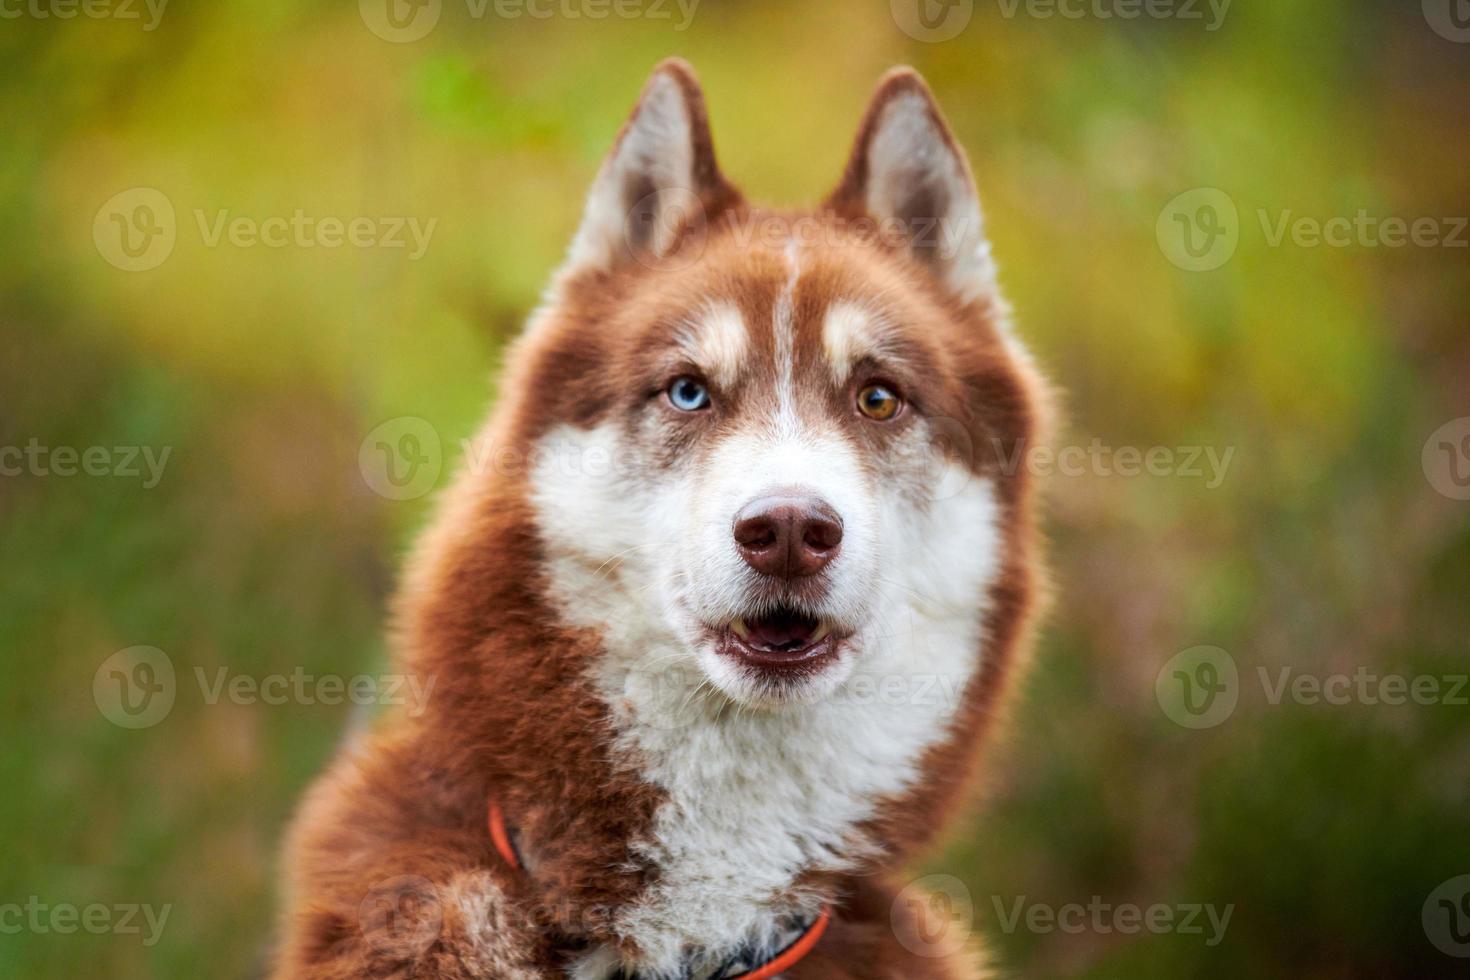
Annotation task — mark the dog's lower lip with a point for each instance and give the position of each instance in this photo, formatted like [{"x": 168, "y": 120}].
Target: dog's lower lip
[{"x": 736, "y": 640}]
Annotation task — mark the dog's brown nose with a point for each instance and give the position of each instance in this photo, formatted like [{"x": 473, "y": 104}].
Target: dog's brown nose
[{"x": 788, "y": 536}]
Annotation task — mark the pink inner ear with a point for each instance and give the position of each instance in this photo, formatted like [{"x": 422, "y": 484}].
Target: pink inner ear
[
  {"x": 906, "y": 170},
  {"x": 660, "y": 180}
]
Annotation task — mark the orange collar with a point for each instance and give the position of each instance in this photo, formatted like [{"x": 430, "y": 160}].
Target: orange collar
[{"x": 783, "y": 960}]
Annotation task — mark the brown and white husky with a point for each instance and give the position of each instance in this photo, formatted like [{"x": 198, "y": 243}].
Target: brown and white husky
[{"x": 719, "y": 622}]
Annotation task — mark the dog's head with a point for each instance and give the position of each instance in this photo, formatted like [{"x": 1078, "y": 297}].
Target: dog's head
[{"x": 765, "y": 443}]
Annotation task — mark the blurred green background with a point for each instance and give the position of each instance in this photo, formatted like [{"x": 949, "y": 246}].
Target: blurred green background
[{"x": 1331, "y": 545}]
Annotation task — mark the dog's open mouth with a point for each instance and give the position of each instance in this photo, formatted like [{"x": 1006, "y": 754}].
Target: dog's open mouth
[{"x": 781, "y": 639}]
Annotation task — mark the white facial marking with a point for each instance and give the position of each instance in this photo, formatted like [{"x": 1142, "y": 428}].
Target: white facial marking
[
  {"x": 784, "y": 327},
  {"x": 717, "y": 340},
  {"x": 848, "y": 335},
  {"x": 755, "y": 462},
  {"x": 759, "y": 793}
]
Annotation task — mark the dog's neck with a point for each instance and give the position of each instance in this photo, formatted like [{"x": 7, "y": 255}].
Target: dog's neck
[
  {"x": 762, "y": 804},
  {"x": 770, "y": 950}
]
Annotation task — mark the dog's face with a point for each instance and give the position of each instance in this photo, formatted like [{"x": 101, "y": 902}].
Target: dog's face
[{"x": 774, "y": 436}]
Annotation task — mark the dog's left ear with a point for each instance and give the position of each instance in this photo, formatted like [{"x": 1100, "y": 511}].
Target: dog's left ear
[
  {"x": 660, "y": 183},
  {"x": 907, "y": 172}
]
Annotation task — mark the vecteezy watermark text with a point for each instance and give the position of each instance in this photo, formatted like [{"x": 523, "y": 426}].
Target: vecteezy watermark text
[
  {"x": 1211, "y": 12},
  {"x": 136, "y": 230},
  {"x": 137, "y": 687},
  {"x": 95, "y": 918},
  {"x": 1101, "y": 917},
  {"x": 129, "y": 462},
  {"x": 1200, "y": 229},
  {"x": 307, "y": 231},
  {"x": 934, "y": 21},
  {"x": 123, "y": 10},
  {"x": 405, "y": 21},
  {"x": 299, "y": 687},
  {"x": 1364, "y": 686},
  {"x": 402, "y": 458},
  {"x": 934, "y": 916},
  {"x": 1209, "y": 463},
  {"x": 1362, "y": 230},
  {"x": 1200, "y": 687}
]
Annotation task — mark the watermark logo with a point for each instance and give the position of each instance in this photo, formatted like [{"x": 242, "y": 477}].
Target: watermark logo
[
  {"x": 661, "y": 695},
  {"x": 400, "y": 21},
  {"x": 401, "y": 458},
  {"x": 302, "y": 230},
  {"x": 1364, "y": 687},
  {"x": 946, "y": 471},
  {"x": 405, "y": 21},
  {"x": 1446, "y": 459},
  {"x": 135, "y": 230},
  {"x": 1446, "y": 917},
  {"x": 666, "y": 228},
  {"x": 670, "y": 695},
  {"x": 1201, "y": 687},
  {"x": 1198, "y": 687},
  {"x": 135, "y": 687},
  {"x": 96, "y": 919},
  {"x": 1450, "y": 19},
  {"x": 121, "y": 10},
  {"x": 1199, "y": 229},
  {"x": 1182, "y": 10},
  {"x": 1209, "y": 464},
  {"x": 1362, "y": 230},
  {"x": 932, "y": 21},
  {"x": 934, "y": 916},
  {"x": 402, "y": 913},
  {"x": 669, "y": 227},
  {"x": 1104, "y": 918},
  {"x": 36, "y": 459},
  {"x": 299, "y": 687}
]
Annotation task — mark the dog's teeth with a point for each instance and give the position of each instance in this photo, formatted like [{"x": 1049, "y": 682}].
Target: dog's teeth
[
  {"x": 821, "y": 633},
  {"x": 741, "y": 630}
]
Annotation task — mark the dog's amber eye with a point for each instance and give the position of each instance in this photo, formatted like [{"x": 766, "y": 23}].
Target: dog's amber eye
[
  {"x": 879, "y": 403},
  {"x": 688, "y": 395}
]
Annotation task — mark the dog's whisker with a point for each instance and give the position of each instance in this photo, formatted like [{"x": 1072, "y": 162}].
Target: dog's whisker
[
  {"x": 908, "y": 589},
  {"x": 620, "y": 557}
]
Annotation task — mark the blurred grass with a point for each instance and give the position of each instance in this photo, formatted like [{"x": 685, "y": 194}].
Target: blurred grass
[{"x": 263, "y": 550}]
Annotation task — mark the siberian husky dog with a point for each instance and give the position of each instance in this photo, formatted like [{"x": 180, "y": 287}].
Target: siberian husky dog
[{"x": 729, "y": 592}]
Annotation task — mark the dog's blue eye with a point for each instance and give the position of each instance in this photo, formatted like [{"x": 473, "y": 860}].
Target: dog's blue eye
[{"x": 688, "y": 395}]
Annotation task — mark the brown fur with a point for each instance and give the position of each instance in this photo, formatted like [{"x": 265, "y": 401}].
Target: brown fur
[{"x": 513, "y": 715}]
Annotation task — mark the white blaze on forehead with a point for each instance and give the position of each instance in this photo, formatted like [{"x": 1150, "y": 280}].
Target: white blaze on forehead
[
  {"x": 849, "y": 333},
  {"x": 783, "y": 323},
  {"x": 716, "y": 340}
]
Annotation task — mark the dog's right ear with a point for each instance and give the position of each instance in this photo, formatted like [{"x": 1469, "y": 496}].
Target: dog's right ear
[
  {"x": 659, "y": 184},
  {"x": 907, "y": 172}
]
